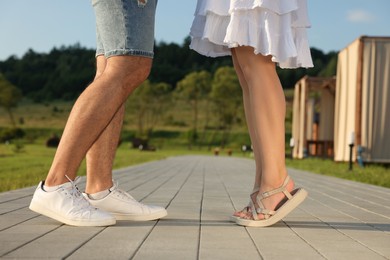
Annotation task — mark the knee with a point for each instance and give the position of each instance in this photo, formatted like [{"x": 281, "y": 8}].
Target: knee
[
  {"x": 139, "y": 75},
  {"x": 130, "y": 72},
  {"x": 135, "y": 78}
]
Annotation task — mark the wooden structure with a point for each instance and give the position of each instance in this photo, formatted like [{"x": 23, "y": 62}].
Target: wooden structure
[
  {"x": 351, "y": 109},
  {"x": 363, "y": 100},
  {"x": 313, "y": 117}
]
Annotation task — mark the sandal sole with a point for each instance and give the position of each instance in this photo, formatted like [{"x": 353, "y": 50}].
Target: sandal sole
[
  {"x": 298, "y": 197},
  {"x": 233, "y": 218}
]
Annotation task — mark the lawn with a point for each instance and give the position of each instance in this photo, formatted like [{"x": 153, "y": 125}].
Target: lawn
[
  {"x": 371, "y": 174},
  {"x": 30, "y": 165}
]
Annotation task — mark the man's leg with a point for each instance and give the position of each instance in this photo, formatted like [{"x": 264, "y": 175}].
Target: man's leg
[
  {"x": 125, "y": 35},
  {"x": 93, "y": 112},
  {"x": 100, "y": 157},
  {"x": 100, "y": 190}
]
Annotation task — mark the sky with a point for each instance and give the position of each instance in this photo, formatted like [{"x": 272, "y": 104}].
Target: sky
[{"x": 44, "y": 24}]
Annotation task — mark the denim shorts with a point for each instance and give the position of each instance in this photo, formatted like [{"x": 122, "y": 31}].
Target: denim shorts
[{"x": 125, "y": 27}]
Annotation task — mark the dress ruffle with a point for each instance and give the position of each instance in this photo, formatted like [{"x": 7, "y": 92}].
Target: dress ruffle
[{"x": 271, "y": 27}]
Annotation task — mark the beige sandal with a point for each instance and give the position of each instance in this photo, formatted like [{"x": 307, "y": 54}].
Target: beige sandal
[
  {"x": 288, "y": 204},
  {"x": 248, "y": 208}
]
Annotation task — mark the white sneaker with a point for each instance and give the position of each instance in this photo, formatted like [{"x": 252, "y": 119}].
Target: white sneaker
[
  {"x": 124, "y": 207},
  {"x": 68, "y": 205}
]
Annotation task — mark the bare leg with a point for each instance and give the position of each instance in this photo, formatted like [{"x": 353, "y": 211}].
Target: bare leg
[
  {"x": 267, "y": 103},
  {"x": 251, "y": 128},
  {"x": 249, "y": 118},
  {"x": 100, "y": 157},
  {"x": 94, "y": 110}
]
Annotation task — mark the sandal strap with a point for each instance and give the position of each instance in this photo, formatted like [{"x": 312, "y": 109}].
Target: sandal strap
[
  {"x": 254, "y": 210},
  {"x": 251, "y": 205},
  {"x": 266, "y": 212},
  {"x": 255, "y": 190},
  {"x": 261, "y": 209},
  {"x": 278, "y": 190}
]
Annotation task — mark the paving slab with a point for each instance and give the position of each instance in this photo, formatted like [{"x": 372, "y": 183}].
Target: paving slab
[{"x": 339, "y": 220}]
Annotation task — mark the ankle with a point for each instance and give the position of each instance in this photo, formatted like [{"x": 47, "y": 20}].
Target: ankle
[
  {"x": 55, "y": 181},
  {"x": 98, "y": 187},
  {"x": 50, "y": 188},
  {"x": 277, "y": 183},
  {"x": 99, "y": 195}
]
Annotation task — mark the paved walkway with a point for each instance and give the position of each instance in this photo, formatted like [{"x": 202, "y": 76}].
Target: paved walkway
[{"x": 339, "y": 220}]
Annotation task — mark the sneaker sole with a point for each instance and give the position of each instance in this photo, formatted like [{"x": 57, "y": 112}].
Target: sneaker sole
[
  {"x": 154, "y": 216},
  {"x": 36, "y": 207}
]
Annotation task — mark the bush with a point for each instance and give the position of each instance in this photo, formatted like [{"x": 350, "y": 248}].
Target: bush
[
  {"x": 53, "y": 141},
  {"x": 18, "y": 146},
  {"x": 7, "y": 134}
]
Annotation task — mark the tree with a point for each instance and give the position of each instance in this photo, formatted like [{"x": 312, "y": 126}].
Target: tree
[
  {"x": 9, "y": 97},
  {"x": 226, "y": 95},
  {"x": 194, "y": 87},
  {"x": 64, "y": 72},
  {"x": 331, "y": 67},
  {"x": 151, "y": 102}
]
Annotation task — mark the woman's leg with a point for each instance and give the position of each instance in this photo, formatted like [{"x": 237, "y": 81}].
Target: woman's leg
[
  {"x": 250, "y": 124},
  {"x": 267, "y": 105}
]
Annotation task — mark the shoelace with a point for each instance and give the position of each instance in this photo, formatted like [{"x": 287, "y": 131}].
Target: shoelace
[{"x": 75, "y": 194}]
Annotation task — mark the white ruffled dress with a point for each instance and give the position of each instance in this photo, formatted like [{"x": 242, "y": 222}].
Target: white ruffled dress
[{"x": 271, "y": 27}]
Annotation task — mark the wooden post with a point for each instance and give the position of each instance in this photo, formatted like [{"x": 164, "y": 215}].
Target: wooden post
[{"x": 359, "y": 92}]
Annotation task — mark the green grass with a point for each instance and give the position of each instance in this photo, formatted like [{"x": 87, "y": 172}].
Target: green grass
[
  {"x": 23, "y": 168},
  {"x": 30, "y": 165},
  {"x": 371, "y": 174}
]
